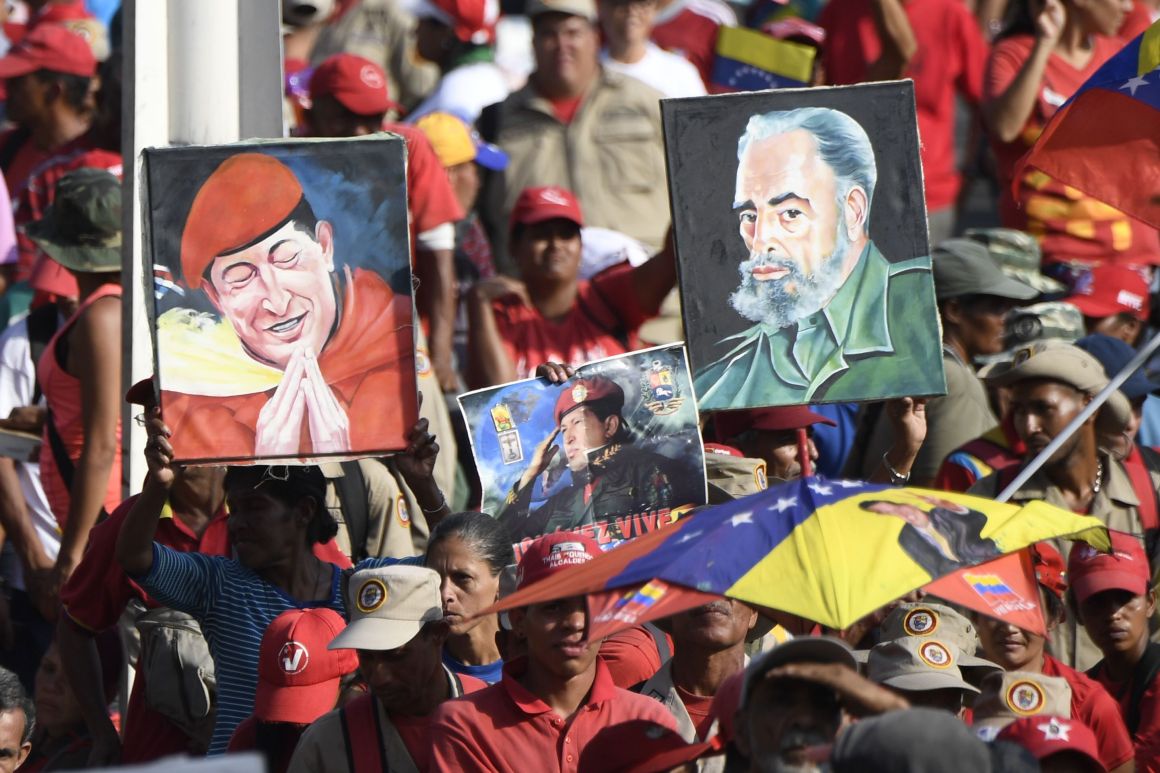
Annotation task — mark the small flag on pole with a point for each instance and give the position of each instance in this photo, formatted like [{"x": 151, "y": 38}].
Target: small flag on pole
[{"x": 748, "y": 60}]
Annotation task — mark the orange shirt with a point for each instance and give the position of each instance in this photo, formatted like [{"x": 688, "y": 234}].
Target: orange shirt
[
  {"x": 1070, "y": 226},
  {"x": 506, "y": 728}
]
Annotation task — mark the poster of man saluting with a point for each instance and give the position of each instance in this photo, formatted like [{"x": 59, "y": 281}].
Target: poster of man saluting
[
  {"x": 283, "y": 313},
  {"x": 612, "y": 452},
  {"x": 802, "y": 246}
]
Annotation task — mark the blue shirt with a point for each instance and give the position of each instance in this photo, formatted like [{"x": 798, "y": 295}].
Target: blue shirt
[
  {"x": 234, "y": 606},
  {"x": 489, "y": 672}
]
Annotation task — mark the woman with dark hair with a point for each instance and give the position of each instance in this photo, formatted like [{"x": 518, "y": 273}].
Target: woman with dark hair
[
  {"x": 277, "y": 517},
  {"x": 470, "y": 551},
  {"x": 1048, "y": 49}
]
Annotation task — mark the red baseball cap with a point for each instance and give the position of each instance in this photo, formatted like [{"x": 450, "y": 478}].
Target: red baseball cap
[
  {"x": 1110, "y": 289},
  {"x": 730, "y": 424},
  {"x": 472, "y": 21},
  {"x": 1044, "y": 736},
  {"x": 1125, "y": 568},
  {"x": 48, "y": 276},
  {"x": 298, "y": 677},
  {"x": 535, "y": 205},
  {"x": 358, "y": 84},
  {"x": 552, "y": 553},
  {"x": 1049, "y": 568},
  {"x": 49, "y": 47}
]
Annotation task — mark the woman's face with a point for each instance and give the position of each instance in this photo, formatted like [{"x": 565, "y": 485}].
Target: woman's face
[
  {"x": 468, "y": 583},
  {"x": 57, "y": 709},
  {"x": 1101, "y": 17}
]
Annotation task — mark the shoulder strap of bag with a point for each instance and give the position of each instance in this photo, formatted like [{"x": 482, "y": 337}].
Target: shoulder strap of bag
[
  {"x": 42, "y": 323},
  {"x": 1144, "y": 674},
  {"x": 64, "y": 465},
  {"x": 352, "y": 495},
  {"x": 661, "y": 640},
  {"x": 1143, "y": 481},
  {"x": 363, "y": 736}
]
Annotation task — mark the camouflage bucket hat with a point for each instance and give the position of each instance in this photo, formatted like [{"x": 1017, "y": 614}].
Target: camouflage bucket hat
[
  {"x": 1018, "y": 255},
  {"x": 81, "y": 230}
]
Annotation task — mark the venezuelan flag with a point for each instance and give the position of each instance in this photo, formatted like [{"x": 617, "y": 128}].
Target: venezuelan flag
[
  {"x": 827, "y": 551},
  {"x": 1105, "y": 140},
  {"x": 748, "y": 60}
]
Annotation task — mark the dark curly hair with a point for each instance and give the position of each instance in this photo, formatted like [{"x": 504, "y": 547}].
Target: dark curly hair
[{"x": 290, "y": 484}]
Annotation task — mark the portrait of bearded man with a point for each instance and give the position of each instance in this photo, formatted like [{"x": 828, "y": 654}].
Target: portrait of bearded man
[{"x": 832, "y": 318}]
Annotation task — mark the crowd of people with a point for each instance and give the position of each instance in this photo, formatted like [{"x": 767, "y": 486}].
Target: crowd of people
[{"x": 336, "y": 617}]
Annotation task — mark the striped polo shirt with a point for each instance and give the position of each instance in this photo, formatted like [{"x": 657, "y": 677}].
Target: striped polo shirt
[{"x": 234, "y": 606}]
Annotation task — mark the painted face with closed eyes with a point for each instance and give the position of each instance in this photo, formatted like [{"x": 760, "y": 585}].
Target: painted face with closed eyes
[{"x": 278, "y": 293}]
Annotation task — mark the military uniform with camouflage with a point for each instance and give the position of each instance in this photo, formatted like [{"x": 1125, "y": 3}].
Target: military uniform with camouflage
[{"x": 611, "y": 475}]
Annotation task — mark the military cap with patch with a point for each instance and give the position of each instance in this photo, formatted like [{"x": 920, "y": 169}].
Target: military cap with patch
[
  {"x": 1009, "y": 695},
  {"x": 81, "y": 230},
  {"x": 963, "y": 267},
  {"x": 917, "y": 664},
  {"x": 588, "y": 390},
  {"x": 1063, "y": 362},
  {"x": 732, "y": 476},
  {"x": 1018, "y": 255},
  {"x": 388, "y": 607},
  {"x": 929, "y": 619},
  {"x": 248, "y": 197}
]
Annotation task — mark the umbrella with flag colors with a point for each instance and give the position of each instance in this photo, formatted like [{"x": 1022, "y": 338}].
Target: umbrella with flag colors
[{"x": 827, "y": 551}]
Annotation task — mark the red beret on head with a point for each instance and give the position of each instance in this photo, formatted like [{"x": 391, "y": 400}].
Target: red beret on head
[
  {"x": 248, "y": 196},
  {"x": 730, "y": 424},
  {"x": 588, "y": 390}
]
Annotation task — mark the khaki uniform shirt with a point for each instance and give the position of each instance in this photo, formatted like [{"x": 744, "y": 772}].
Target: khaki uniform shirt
[
  {"x": 611, "y": 156},
  {"x": 380, "y": 30},
  {"x": 1116, "y": 504},
  {"x": 322, "y": 748},
  {"x": 393, "y": 515}
]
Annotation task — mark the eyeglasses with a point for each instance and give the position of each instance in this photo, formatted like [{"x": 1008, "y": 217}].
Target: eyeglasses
[
  {"x": 139, "y": 419},
  {"x": 275, "y": 472}
]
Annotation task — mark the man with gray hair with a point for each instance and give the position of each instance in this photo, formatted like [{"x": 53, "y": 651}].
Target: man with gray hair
[
  {"x": 825, "y": 304},
  {"x": 17, "y": 718}
]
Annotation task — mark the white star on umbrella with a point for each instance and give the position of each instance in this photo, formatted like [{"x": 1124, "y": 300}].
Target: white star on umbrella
[
  {"x": 820, "y": 490},
  {"x": 848, "y": 483},
  {"x": 690, "y": 536},
  {"x": 1134, "y": 83},
  {"x": 741, "y": 518},
  {"x": 784, "y": 504},
  {"x": 1055, "y": 730}
]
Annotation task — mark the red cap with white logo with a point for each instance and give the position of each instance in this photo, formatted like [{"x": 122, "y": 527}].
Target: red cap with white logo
[
  {"x": 1125, "y": 568},
  {"x": 298, "y": 677},
  {"x": 553, "y": 553},
  {"x": 358, "y": 84},
  {"x": 535, "y": 205},
  {"x": 1110, "y": 289}
]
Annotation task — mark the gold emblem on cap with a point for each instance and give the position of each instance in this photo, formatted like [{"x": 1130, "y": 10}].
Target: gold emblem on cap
[
  {"x": 920, "y": 622},
  {"x": 1025, "y": 698},
  {"x": 935, "y": 655},
  {"x": 371, "y": 596},
  {"x": 579, "y": 392}
]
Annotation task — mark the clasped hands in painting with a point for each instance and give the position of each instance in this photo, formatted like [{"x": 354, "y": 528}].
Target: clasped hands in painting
[{"x": 302, "y": 396}]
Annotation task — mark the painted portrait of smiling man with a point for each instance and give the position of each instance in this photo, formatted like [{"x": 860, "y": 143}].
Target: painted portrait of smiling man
[
  {"x": 819, "y": 309},
  {"x": 283, "y": 303}
]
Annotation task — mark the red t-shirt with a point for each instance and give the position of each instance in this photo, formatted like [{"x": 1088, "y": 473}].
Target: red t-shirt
[
  {"x": 631, "y": 656},
  {"x": 507, "y": 728},
  {"x": 700, "y": 708},
  {"x": 689, "y": 28},
  {"x": 37, "y": 191},
  {"x": 245, "y": 738},
  {"x": 26, "y": 158},
  {"x": 98, "y": 591},
  {"x": 605, "y": 314},
  {"x": 1147, "y": 736},
  {"x": 950, "y": 60},
  {"x": 1070, "y": 226},
  {"x": 565, "y": 109},
  {"x": 1092, "y": 705},
  {"x": 430, "y": 198}
]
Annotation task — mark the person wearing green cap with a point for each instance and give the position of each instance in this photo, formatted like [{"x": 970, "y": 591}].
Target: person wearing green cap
[{"x": 80, "y": 371}]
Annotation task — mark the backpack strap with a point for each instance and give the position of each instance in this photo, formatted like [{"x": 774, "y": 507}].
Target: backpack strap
[
  {"x": 352, "y": 496},
  {"x": 661, "y": 641},
  {"x": 42, "y": 323},
  {"x": 363, "y": 736},
  {"x": 64, "y": 465},
  {"x": 1142, "y": 677}
]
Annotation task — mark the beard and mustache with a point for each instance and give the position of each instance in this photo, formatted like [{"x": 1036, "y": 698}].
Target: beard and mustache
[{"x": 782, "y": 302}]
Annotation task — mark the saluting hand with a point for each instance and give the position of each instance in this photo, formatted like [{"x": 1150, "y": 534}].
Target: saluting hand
[{"x": 545, "y": 452}]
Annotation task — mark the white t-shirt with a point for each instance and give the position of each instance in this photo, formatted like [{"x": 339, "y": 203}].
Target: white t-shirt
[
  {"x": 17, "y": 387},
  {"x": 465, "y": 91},
  {"x": 671, "y": 75}
]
